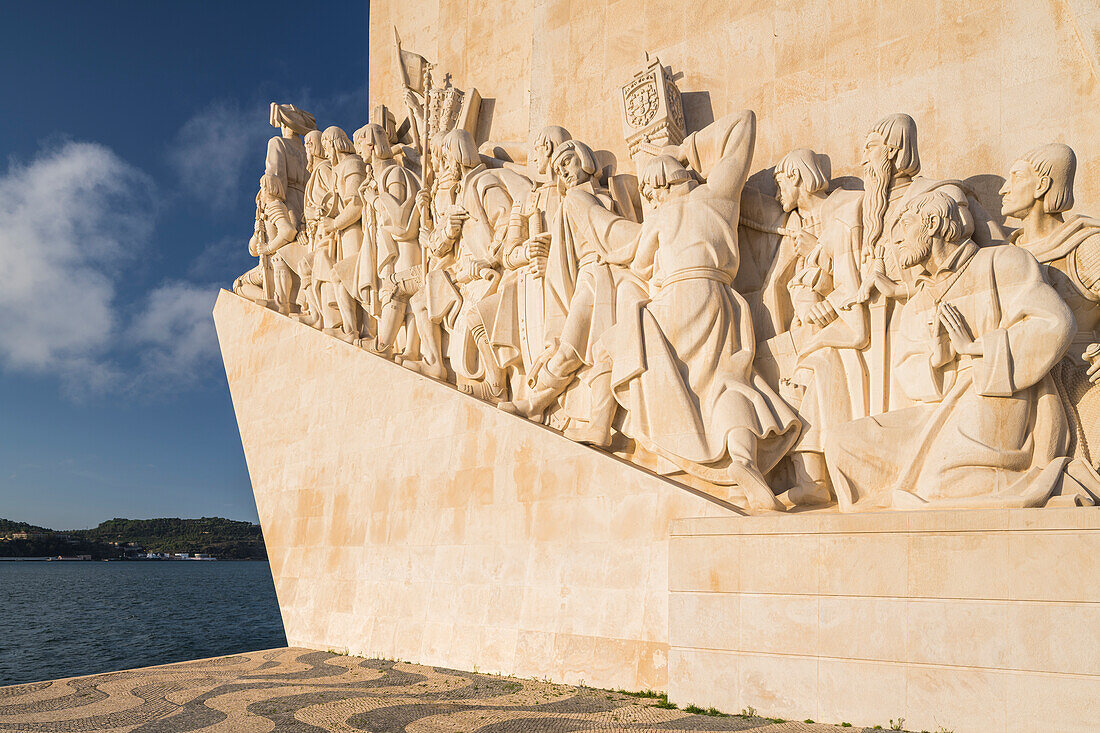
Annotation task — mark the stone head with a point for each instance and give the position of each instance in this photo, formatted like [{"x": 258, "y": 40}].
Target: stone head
[
  {"x": 312, "y": 142},
  {"x": 573, "y": 164},
  {"x": 891, "y": 147},
  {"x": 271, "y": 189},
  {"x": 800, "y": 173},
  {"x": 458, "y": 154},
  {"x": 435, "y": 149},
  {"x": 335, "y": 143},
  {"x": 664, "y": 178},
  {"x": 928, "y": 220},
  {"x": 1043, "y": 175},
  {"x": 544, "y": 145},
  {"x": 371, "y": 143}
]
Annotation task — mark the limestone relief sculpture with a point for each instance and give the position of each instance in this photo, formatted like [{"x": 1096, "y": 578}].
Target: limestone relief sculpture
[{"x": 883, "y": 347}]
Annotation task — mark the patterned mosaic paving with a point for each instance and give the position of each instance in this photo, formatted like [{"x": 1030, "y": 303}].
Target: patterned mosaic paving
[{"x": 303, "y": 691}]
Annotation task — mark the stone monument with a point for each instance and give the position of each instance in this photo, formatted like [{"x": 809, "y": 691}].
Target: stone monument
[{"x": 668, "y": 400}]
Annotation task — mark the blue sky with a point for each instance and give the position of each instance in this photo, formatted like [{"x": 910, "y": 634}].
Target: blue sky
[{"x": 135, "y": 134}]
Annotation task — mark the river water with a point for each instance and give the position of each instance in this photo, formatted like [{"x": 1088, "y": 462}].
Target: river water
[{"x": 61, "y": 619}]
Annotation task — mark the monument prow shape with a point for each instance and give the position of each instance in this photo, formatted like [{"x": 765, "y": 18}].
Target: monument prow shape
[{"x": 404, "y": 519}]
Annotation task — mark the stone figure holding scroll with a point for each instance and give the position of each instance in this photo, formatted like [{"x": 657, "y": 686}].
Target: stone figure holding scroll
[
  {"x": 1039, "y": 192},
  {"x": 976, "y": 343},
  {"x": 680, "y": 362},
  {"x": 818, "y": 342}
]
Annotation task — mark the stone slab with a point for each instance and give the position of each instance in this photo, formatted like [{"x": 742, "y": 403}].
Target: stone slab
[
  {"x": 968, "y": 621},
  {"x": 407, "y": 520}
]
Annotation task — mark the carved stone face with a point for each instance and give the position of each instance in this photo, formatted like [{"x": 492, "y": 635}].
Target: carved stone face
[
  {"x": 450, "y": 168},
  {"x": 877, "y": 155},
  {"x": 1022, "y": 188},
  {"x": 314, "y": 147},
  {"x": 365, "y": 149},
  {"x": 912, "y": 239},
  {"x": 569, "y": 171},
  {"x": 541, "y": 151},
  {"x": 653, "y": 196},
  {"x": 328, "y": 150},
  {"x": 788, "y": 190}
]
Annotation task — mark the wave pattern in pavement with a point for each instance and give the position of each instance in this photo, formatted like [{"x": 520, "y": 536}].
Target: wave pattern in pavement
[{"x": 302, "y": 691}]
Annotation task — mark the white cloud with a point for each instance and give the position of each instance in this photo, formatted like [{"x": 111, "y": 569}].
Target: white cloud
[
  {"x": 211, "y": 149},
  {"x": 174, "y": 335},
  {"x": 69, "y": 220}
]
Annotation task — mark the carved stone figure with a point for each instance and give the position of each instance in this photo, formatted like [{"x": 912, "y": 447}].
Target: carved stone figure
[
  {"x": 680, "y": 362},
  {"x": 1039, "y": 192},
  {"x": 513, "y": 317},
  {"x": 581, "y": 288},
  {"x": 976, "y": 342},
  {"x": 318, "y": 292},
  {"x": 391, "y": 267},
  {"x": 801, "y": 274},
  {"x": 473, "y": 204},
  {"x": 344, "y": 226},
  {"x": 820, "y": 337},
  {"x": 286, "y": 155},
  {"x": 270, "y": 283}
]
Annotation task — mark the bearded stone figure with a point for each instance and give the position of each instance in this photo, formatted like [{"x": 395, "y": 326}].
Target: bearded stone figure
[{"x": 976, "y": 343}]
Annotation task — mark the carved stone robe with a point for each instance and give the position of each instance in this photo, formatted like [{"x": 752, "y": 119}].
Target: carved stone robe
[
  {"x": 455, "y": 285},
  {"x": 984, "y": 431},
  {"x": 1071, "y": 255},
  {"x": 514, "y": 315},
  {"x": 682, "y": 361},
  {"x": 389, "y": 225}
]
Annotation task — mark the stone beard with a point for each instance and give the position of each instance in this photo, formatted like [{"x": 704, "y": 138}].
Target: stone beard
[{"x": 876, "y": 349}]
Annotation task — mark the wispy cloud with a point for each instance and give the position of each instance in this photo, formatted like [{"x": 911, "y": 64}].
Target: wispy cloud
[
  {"x": 212, "y": 148},
  {"x": 174, "y": 335},
  {"x": 69, "y": 220}
]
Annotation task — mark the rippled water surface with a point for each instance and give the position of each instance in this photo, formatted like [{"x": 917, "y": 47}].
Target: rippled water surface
[{"x": 60, "y": 619}]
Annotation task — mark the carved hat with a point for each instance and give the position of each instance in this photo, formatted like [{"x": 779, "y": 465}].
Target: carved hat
[{"x": 287, "y": 115}]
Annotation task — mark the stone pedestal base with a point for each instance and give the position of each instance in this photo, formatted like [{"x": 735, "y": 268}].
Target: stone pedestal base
[{"x": 970, "y": 621}]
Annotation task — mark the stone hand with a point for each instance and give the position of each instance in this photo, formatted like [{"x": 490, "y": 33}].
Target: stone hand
[
  {"x": 537, "y": 247},
  {"x": 453, "y": 223},
  {"x": 1092, "y": 356},
  {"x": 369, "y": 189},
  {"x": 821, "y": 314},
  {"x": 955, "y": 326}
]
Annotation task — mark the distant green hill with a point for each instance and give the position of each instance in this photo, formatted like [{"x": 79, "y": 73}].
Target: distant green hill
[
  {"x": 7, "y": 526},
  {"x": 223, "y": 538}
]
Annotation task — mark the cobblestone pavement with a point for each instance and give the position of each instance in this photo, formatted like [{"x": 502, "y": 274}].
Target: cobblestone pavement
[{"x": 303, "y": 691}]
